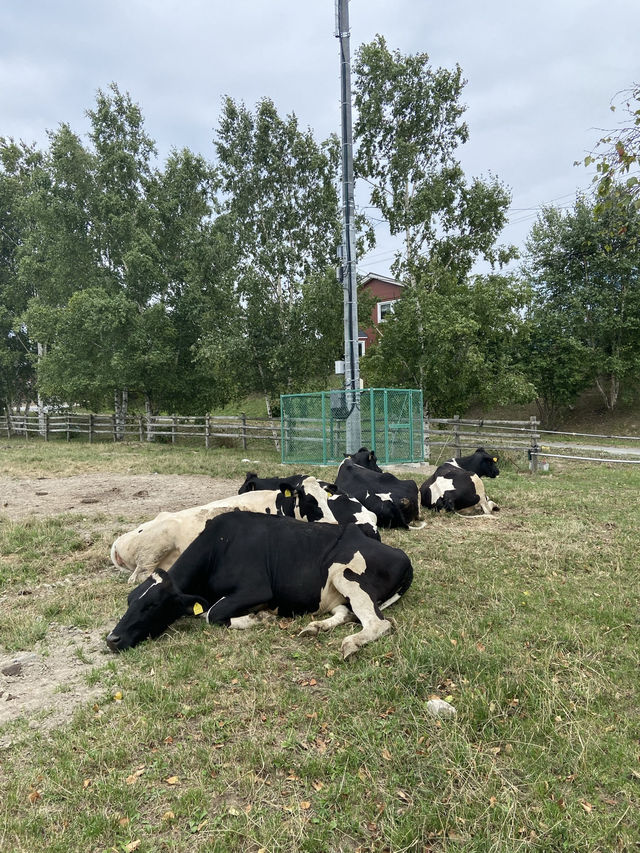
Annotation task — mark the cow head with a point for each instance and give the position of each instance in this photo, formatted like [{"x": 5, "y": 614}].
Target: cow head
[
  {"x": 486, "y": 465},
  {"x": 249, "y": 484},
  {"x": 311, "y": 501},
  {"x": 153, "y": 605},
  {"x": 286, "y": 500},
  {"x": 366, "y": 459}
]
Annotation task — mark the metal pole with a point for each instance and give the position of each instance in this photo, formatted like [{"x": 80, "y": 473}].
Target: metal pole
[{"x": 348, "y": 248}]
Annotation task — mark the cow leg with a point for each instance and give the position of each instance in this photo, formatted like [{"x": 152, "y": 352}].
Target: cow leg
[
  {"x": 374, "y": 625},
  {"x": 237, "y": 604},
  {"x": 250, "y": 620},
  {"x": 341, "y": 615}
]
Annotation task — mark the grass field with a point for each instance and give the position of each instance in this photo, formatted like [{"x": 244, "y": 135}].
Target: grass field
[{"x": 214, "y": 740}]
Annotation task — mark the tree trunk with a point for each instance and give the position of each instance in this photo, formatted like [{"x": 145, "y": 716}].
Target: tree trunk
[
  {"x": 610, "y": 396},
  {"x": 42, "y": 351}
]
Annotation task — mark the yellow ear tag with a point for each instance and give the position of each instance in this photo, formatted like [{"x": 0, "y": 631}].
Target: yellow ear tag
[
  {"x": 197, "y": 609},
  {"x": 287, "y": 493},
  {"x": 495, "y": 458},
  {"x": 330, "y": 494}
]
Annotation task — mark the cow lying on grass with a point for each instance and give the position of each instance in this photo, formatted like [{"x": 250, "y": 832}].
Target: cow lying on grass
[
  {"x": 157, "y": 544},
  {"x": 244, "y": 563},
  {"x": 456, "y": 486},
  {"x": 394, "y": 502},
  {"x": 340, "y": 507}
]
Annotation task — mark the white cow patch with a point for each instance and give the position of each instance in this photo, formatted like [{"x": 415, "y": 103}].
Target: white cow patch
[
  {"x": 440, "y": 487},
  {"x": 384, "y": 496}
]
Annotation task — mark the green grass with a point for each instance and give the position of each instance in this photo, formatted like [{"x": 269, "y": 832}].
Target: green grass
[{"x": 260, "y": 740}]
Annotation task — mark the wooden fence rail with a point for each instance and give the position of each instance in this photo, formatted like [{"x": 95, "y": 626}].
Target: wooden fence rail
[
  {"x": 443, "y": 437},
  {"x": 210, "y": 429}
]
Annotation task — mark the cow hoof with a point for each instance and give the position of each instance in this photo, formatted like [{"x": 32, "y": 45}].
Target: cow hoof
[
  {"x": 311, "y": 630},
  {"x": 348, "y": 647}
]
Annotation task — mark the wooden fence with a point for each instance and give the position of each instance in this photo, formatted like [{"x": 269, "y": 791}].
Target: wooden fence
[
  {"x": 210, "y": 429},
  {"x": 446, "y": 437}
]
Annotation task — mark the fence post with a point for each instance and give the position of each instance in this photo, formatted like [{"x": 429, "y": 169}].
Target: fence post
[
  {"x": 174, "y": 423},
  {"x": 456, "y": 435},
  {"x": 244, "y": 430},
  {"x": 8, "y": 423},
  {"x": 207, "y": 430},
  {"x": 114, "y": 426},
  {"x": 140, "y": 430},
  {"x": 90, "y": 428},
  {"x": 427, "y": 437},
  {"x": 533, "y": 453}
]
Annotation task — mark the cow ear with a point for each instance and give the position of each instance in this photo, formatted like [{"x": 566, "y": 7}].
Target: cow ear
[{"x": 194, "y": 605}]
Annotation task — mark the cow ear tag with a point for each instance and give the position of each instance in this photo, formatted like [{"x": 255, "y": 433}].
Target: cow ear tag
[
  {"x": 287, "y": 493},
  {"x": 495, "y": 458},
  {"x": 197, "y": 609}
]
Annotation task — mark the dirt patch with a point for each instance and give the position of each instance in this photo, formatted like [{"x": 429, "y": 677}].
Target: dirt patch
[
  {"x": 46, "y": 685},
  {"x": 130, "y": 496}
]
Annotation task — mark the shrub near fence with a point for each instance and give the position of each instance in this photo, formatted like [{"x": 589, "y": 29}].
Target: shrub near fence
[{"x": 208, "y": 429}]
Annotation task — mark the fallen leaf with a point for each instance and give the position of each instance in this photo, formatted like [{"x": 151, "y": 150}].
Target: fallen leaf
[
  {"x": 118, "y": 698},
  {"x": 172, "y": 780},
  {"x": 168, "y": 815},
  {"x": 133, "y": 846},
  {"x": 386, "y": 754},
  {"x": 86, "y": 783},
  {"x": 480, "y": 646},
  {"x": 34, "y": 796},
  {"x": 135, "y": 776},
  {"x": 304, "y": 805},
  {"x": 124, "y": 821},
  {"x": 586, "y": 806},
  {"x": 317, "y": 785}
]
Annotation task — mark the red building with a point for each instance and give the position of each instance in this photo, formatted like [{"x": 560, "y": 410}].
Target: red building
[{"x": 386, "y": 290}]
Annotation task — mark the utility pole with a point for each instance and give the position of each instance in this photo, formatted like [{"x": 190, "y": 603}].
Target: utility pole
[{"x": 347, "y": 252}]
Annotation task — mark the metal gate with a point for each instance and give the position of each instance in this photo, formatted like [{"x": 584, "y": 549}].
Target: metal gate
[{"x": 314, "y": 432}]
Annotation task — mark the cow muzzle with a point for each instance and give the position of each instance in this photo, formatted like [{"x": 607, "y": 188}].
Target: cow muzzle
[{"x": 113, "y": 641}]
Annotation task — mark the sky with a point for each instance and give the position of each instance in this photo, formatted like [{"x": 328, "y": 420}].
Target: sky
[{"x": 540, "y": 76}]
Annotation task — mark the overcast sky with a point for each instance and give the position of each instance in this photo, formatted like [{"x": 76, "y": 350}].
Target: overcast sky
[{"x": 541, "y": 75}]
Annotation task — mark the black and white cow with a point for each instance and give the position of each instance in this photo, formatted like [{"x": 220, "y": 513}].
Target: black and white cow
[
  {"x": 394, "y": 501},
  {"x": 253, "y": 483},
  {"x": 479, "y": 462},
  {"x": 456, "y": 486},
  {"x": 158, "y": 543},
  {"x": 334, "y": 507},
  {"x": 244, "y": 563}
]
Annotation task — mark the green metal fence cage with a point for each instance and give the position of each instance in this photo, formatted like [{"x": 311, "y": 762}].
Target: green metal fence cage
[{"x": 313, "y": 426}]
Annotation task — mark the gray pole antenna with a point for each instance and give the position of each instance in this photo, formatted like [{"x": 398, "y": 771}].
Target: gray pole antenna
[{"x": 347, "y": 251}]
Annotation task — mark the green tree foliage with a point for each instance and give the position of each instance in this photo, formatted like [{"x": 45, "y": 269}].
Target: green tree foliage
[
  {"x": 584, "y": 268},
  {"x": 280, "y": 202},
  {"x": 408, "y": 128},
  {"x": 463, "y": 350},
  {"x": 617, "y": 155},
  {"x": 450, "y": 335},
  {"x": 19, "y": 166}
]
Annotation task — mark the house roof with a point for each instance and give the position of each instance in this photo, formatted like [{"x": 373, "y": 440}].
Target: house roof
[{"x": 372, "y": 276}]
